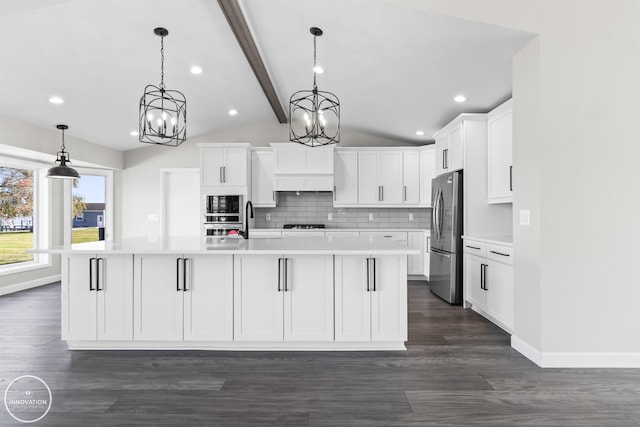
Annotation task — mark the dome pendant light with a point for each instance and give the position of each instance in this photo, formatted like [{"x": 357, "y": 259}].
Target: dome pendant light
[
  {"x": 162, "y": 113},
  {"x": 62, "y": 171},
  {"x": 314, "y": 115}
]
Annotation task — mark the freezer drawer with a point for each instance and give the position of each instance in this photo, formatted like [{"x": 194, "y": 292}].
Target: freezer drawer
[{"x": 444, "y": 277}]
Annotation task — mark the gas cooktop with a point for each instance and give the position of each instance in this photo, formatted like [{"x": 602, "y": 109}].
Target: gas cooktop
[{"x": 302, "y": 226}]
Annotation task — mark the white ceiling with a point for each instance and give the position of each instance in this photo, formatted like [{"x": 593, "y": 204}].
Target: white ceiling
[{"x": 395, "y": 70}]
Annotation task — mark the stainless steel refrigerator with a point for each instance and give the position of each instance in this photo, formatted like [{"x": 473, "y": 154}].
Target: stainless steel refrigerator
[{"x": 445, "y": 275}]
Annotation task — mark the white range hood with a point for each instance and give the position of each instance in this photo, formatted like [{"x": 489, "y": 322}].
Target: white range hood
[{"x": 300, "y": 168}]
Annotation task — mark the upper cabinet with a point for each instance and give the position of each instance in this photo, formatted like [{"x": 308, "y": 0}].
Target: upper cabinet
[
  {"x": 427, "y": 173},
  {"x": 449, "y": 148},
  {"x": 411, "y": 178},
  {"x": 500, "y": 149},
  {"x": 380, "y": 178},
  {"x": 300, "y": 168},
  {"x": 263, "y": 192},
  {"x": 224, "y": 165},
  {"x": 345, "y": 190}
]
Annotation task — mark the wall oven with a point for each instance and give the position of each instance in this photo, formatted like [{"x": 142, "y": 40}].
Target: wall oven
[{"x": 222, "y": 215}]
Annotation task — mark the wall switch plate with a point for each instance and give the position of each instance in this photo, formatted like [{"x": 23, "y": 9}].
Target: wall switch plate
[
  {"x": 525, "y": 217},
  {"x": 268, "y": 216},
  {"x": 410, "y": 217},
  {"x": 329, "y": 216},
  {"x": 370, "y": 217}
]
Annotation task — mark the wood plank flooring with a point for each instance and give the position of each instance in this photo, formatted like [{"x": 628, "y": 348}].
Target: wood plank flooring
[{"x": 459, "y": 370}]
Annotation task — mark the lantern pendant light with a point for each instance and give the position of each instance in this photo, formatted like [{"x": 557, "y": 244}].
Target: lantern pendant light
[
  {"x": 62, "y": 170},
  {"x": 314, "y": 115},
  {"x": 162, "y": 112}
]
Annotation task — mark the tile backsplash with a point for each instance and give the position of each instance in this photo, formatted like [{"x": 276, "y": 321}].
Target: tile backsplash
[{"x": 313, "y": 207}]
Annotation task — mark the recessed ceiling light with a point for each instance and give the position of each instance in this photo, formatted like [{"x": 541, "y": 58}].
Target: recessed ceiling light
[
  {"x": 56, "y": 100},
  {"x": 233, "y": 112},
  {"x": 196, "y": 70},
  {"x": 419, "y": 133},
  {"x": 134, "y": 133},
  {"x": 318, "y": 69},
  {"x": 460, "y": 98}
]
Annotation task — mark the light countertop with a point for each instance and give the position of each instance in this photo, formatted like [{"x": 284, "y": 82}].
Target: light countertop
[
  {"x": 327, "y": 245},
  {"x": 506, "y": 240},
  {"x": 366, "y": 230}
]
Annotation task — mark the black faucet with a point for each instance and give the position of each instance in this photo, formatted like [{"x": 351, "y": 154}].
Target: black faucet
[{"x": 245, "y": 233}]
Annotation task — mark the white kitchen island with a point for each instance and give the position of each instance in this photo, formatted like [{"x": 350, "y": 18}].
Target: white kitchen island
[{"x": 293, "y": 293}]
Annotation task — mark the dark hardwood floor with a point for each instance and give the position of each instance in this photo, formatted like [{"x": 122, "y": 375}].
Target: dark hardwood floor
[{"x": 458, "y": 370}]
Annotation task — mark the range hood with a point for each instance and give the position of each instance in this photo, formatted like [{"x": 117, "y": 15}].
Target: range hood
[{"x": 297, "y": 167}]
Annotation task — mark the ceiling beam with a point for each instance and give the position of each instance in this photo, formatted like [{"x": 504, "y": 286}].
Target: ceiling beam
[{"x": 238, "y": 24}]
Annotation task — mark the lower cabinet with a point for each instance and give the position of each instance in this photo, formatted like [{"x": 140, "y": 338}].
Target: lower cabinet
[
  {"x": 415, "y": 263},
  {"x": 283, "y": 298},
  {"x": 97, "y": 297},
  {"x": 488, "y": 281},
  {"x": 183, "y": 297},
  {"x": 371, "y": 298}
]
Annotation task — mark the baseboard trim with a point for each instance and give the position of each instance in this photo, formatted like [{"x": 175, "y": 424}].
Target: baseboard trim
[
  {"x": 5, "y": 290},
  {"x": 575, "y": 359},
  {"x": 526, "y": 350}
]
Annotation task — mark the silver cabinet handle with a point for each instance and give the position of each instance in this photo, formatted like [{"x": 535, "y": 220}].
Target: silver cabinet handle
[
  {"x": 224, "y": 174},
  {"x": 374, "y": 274},
  {"x": 220, "y": 173},
  {"x": 405, "y": 193},
  {"x": 482, "y": 276},
  {"x": 382, "y": 193},
  {"x": 511, "y": 178}
]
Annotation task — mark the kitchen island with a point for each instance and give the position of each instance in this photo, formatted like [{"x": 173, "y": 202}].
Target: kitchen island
[{"x": 293, "y": 293}]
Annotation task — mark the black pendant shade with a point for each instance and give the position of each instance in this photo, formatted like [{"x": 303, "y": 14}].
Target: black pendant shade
[
  {"x": 162, "y": 112},
  {"x": 62, "y": 170},
  {"x": 314, "y": 115}
]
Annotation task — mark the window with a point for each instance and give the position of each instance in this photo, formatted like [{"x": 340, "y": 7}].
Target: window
[
  {"x": 89, "y": 203},
  {"x": 24, "y": 222}
]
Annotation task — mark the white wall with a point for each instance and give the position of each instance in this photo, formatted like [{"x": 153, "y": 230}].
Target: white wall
[
  {"x": 141, "y": 193},
  {"x": 575, "y": 91}
]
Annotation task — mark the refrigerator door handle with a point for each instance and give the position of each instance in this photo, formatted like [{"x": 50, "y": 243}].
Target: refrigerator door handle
[
  {"x": 436, "y": 221},
  {"x": 441, "y": 253},
  {"x": 440, "y": 213}
]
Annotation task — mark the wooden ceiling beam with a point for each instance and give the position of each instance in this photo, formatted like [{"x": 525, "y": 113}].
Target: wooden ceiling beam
[{"x": 238, "y": 24}]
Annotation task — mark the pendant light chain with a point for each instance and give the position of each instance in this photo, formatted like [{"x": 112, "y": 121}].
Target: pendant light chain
[
  {"x": 162, "y": 62},
  {"x": 315, "y": 87},
  {"x": 63, "y": 147}
]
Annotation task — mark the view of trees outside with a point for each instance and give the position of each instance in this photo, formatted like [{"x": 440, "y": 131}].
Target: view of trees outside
[
  {"x": 88, "y": 200},
  {"x": 16, "y": 214}
]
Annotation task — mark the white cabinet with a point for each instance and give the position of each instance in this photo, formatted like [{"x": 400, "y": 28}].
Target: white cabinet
[
  {"x": 183, "y": 297},
  {"x": 415, "y": 263},
  {"x": 224, "y": 165},
  {"x": 286, "y": 298},
  {"x": 97, "y": 297},
  {"x": 345, "y": 178},
  {"x": 411, "y": 178},
  {"x": 380, "y": 178},
  {"x": 263, "y": 194},
  {"x": 499, "y": 150},
  {"x": 300, "y": 168},
  {"x": 450, "y": 148},
  {"x": 427, "y": 173},
  {"x": 371, "y": 298},
  {"x": 488, "y": 281}
]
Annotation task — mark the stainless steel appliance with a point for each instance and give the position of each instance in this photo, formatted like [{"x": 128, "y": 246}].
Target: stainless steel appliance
[
  {"x": 445, "y": 273},
  {"x": 222, "y": 215}
]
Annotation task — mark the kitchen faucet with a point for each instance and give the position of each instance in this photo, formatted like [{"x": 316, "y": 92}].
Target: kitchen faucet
[{"x": 245, "y": 233}]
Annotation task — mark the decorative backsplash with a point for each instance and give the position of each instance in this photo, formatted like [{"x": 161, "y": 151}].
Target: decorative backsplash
[{"x": 314, "y": 207}]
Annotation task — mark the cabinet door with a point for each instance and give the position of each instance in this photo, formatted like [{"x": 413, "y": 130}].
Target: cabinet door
[
  {"x": 499, "y": 283},
  {"x": 208, "y": 298},
  {"x": 115, "y": 297},
  {"x": 473, "y": 291},
  {"x": 346, "y": 178},
  {"x": 258, "y": 304},
  {"x": 456, "y": 151},
  {"x": 79, "y": 306},
  {"x": 442, "y": 152},
  {"x": 415, "y": 263},
  {"x": 427, "y": 173},
  {"x": 368, "y": 177},
  {"x": 158, "y": 309},
  {"x": 392, "y": 192},
  {"x": 308, "y": 298},
  {"x": 389, "y": 299},
  {"x": 262, "y": 189},
  {"x": 212, "y": 161},
  {"x": 411, "y": 177},
  {"x": 352, "y": 299},
  {"x": 500, "y": 142},
  {"x": 235, "y": 166}
]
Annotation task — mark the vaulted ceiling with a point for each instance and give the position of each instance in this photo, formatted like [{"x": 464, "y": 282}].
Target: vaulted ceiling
[{"x": 395, "y": 70}]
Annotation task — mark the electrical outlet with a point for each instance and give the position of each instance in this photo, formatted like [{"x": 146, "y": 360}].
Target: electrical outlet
[
  {"x": 329, "y": 216},
  {"x": 370, "y": 217},
  {"x": 525, "y": 217},
  {"x": 410, "y": 217},
  {"x": 268, "y": 216}
]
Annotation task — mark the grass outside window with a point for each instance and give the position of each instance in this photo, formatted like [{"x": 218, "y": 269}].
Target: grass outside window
[{"x": 13, "y": 244}]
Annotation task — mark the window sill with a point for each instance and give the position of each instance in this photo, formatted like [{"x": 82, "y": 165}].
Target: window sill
[{"x": 24, "y": 267}]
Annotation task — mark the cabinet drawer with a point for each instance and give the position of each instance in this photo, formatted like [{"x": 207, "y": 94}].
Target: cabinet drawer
[
  {"x": 397, "y": 236},
  {"x": 500, "y": 253},
  {"x": 475, "y": 247}
]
